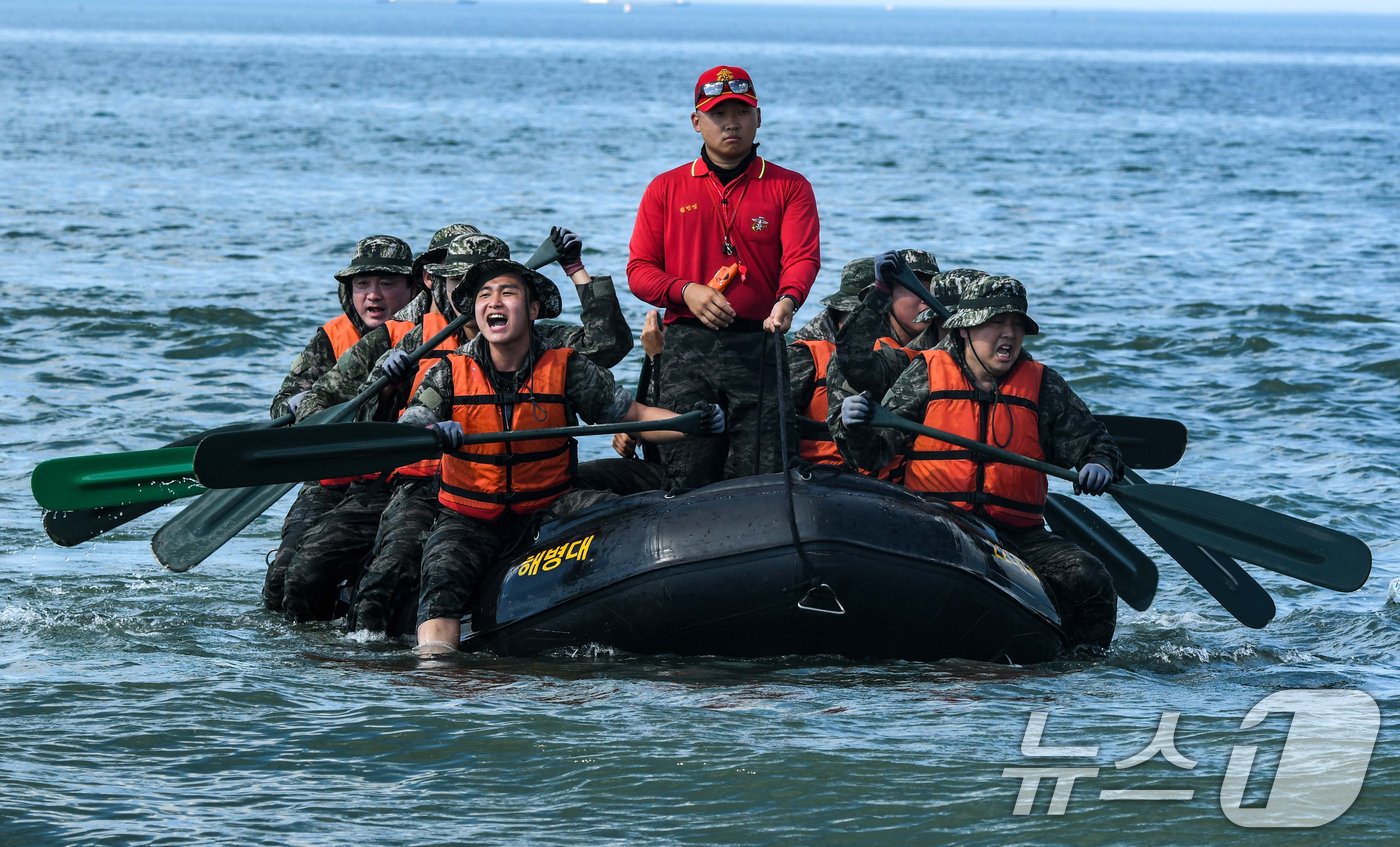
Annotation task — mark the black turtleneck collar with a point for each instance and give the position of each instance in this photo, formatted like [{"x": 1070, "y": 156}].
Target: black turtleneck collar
[{"x": 728, "y": 175}]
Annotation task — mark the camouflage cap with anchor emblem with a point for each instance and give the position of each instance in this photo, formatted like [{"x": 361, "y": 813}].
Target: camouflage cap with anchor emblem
[
  {"x": 379, "y": 254},
  {"x": 482, "y": 257}
]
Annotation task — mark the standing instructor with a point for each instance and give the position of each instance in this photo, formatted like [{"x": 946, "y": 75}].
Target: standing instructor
[{"x": 727, "y": 207}]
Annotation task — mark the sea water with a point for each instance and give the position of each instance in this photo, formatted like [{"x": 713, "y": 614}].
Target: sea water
[{"x": 1204, "y": 209}]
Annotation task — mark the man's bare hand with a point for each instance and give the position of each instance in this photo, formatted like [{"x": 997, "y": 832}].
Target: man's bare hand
[
  {"x": 709, "y": 306},
  {"x": 625, "y": 445},
  {"x": 652, "y": 334},
  {"x": 780, "y": 318}
]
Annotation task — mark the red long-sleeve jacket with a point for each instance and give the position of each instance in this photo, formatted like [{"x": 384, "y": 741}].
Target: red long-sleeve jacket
[{"x": 769, "y": 214}]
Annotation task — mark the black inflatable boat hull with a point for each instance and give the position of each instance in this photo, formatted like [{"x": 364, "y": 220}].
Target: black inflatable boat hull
[{"x": 877, "y": 573}]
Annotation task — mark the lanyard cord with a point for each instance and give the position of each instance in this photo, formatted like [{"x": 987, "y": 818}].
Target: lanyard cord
[{"x": 726, "y": 221}]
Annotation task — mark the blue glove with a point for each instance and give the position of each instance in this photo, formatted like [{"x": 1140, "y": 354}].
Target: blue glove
[
  {"x": 449, "y": 434},
  {"x": 569, "y": 247},
  {"x": 713, "y": 421},
  {"x": 857, "y": 410},
  {"x": 398, "y": 365},
  {"x": 1093, "y": 479},
  {"x": 295, "y": 400},
  {"x": 888, "y": 267}
]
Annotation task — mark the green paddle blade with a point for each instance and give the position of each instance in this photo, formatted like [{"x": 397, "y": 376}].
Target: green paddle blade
[
  {"x": 1271, "y": 540},
  {"x": 1147, "y": 443},
  {"x": 72, "y": 527},
  {"x": 1134, "y": 573},
  {"x": 115, "y": 479}
]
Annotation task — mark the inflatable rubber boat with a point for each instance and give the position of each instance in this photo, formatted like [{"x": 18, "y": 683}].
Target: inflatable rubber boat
[{"x": 816, "y": 563}]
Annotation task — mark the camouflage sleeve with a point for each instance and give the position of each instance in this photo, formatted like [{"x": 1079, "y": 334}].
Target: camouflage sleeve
[
  {"x": 411, "y": 341},
  {"x": 307, "y": 367},
  {"x": 593, "y": 393},
  {"x": 433, "y": 400},
  {"x": 605, "y": 338},
  {"x": 802, "y": 376},
  {"x": 872, "y": 447},
  {"x": 819, "y": 328},
  {"x": 348, "y": 376},
  {"x": 864, "y": 367},
  {"x": 1069, "y": 432}
]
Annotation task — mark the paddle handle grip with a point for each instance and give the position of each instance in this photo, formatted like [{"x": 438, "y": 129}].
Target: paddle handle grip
[{"x": 908, "y": 280}]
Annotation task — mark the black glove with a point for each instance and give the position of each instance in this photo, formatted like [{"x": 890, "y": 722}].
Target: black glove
[
  {"x": 449, "y": 434},
  {"x": 713, "y": 421},
  {"x": 398, "y": 365},
  {"x": 888, "y": 267},
  {"x": 569, "y": 247}
]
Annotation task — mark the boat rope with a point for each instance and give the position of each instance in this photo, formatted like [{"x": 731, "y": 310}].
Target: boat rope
[{"x": 787, "y": 421}]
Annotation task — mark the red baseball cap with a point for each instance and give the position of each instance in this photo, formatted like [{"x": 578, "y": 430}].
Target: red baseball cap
[{"x": 725, "y": 82}]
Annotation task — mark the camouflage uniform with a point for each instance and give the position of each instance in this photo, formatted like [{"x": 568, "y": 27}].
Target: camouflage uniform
[
  {"x": 735, "y": 369},
  {"x": 459, "y": 548},
  {"x": 1070, "y": 436},
  {"x": 377, "y": 253}
]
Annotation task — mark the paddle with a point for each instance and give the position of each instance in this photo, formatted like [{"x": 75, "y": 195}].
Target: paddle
[
  {"x": 68, "y": 528},
  {"x": 1281, "y": 543},
  {"x": 243, "y": 459},
  {"x": 1147, "y": 443},
  {"x": 1134, "y": 573},
  {"x": 217, "y": 516},
  {"x": 1236, "y": 591},
  {"x": 906, "y": 278}
]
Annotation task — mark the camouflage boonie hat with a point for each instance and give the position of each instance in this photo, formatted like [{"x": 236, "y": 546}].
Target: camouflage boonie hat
[
  {"x": 437, "y": 245},
  {"x": 542, "y": 288},
  {"x": 379, "y": 254},
  {"x": 988, "y": 297},
  {"x": 947, "y": 288},
  {"x": 465, "y": 251},
  {"x": 919, "y": 261},
  {"x": 855, "y": 276}
]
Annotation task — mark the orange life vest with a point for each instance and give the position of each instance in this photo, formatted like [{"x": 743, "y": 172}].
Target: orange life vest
[
  {"x": 433, "y": 323},
  {"x": 1009, "y": 494},
  {"x": 484, "y": 480},
  {"x": 823, "y": 451},
  {"x": 819, "y": 451},
  {"x": 343, "y": 336}
]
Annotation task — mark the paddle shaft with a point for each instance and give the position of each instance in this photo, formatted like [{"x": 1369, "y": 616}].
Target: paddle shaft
[
  {"x": 1285, "y": 544},
  {"x": 243, "y": 460}
]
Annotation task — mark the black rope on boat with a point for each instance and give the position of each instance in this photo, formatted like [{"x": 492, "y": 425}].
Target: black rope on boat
[{"x": 786, "y": 420}]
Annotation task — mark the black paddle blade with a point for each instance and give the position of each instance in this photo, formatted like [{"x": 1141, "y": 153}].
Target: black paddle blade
[
  {"x": 209, "y": 522},
  {"x": 249, "y": 459},
  {"x": 1287, "y": 545},
  {"x": 1134, "y": 573},
  {"x": 1236, "y": 591},
  {"x": 1147, "y": 443}
]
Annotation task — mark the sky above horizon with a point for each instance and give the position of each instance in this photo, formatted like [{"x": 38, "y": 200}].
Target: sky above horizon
[{"x": 1384, "y": 7}]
